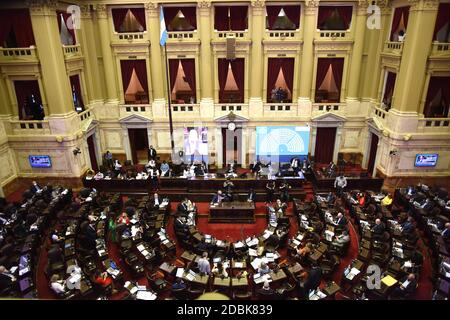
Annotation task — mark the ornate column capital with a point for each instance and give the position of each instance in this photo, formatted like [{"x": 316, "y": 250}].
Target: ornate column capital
[
  {"x": 101, "y": 11},
  {"x": 42, "y": 7},
  {"x": 258, "y": 7},
  {"x": 204, "y": 4},
  {"x": 85, "y": 11},
  {"x": 361, "y": 7},
  {"x": 311, "y": 7},
  {"x": 151, "y": 9}
]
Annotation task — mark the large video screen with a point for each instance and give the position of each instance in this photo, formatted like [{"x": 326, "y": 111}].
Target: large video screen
[
  {"x": 40, "y": 161},
  {"x": 196, "y": 141},
  {"x": 426, "y": 160},
  {"x": 282, "y": 143}
]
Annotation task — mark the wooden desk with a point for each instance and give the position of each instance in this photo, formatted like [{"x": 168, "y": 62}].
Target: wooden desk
[
  {"x": 219, "y": 282},
  {"x": 331, "y": 289},
  {"x": 239, "y": 282},
  {"x": 233, "y": 264},
  {"x": 232, "y": 212},
  {"x": 201, "y": 280},
  {"x": 296, "y": 268},
  {"x": 168, "y": 268},
  {"x": 277, "y": 276},
  {"x": 188, "y": 256}
]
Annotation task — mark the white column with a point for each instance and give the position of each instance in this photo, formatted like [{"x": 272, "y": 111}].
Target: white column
[
  {"x": 366, "y": 147},
  {"x": 377, "y": 158},
  {"x": 337, "y": 143},
  {"x": 126, "y": 143},
  {"x": 219, "y": 158},
  {"x": 312, "y": 148},
  {"x": 244, "y": 144}
]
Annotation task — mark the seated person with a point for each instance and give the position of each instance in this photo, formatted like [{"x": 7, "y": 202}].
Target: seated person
[
  {"x": 180, "y": 224},
  {"x": 408, "y": 286},
  {"x": 228, "y": 185},
  {"x": 331, "y": 197},
  {"x": 263, "y": 269},
  {"x": 219, "y": 270},
  {"x": 427, "y": 204},
  {"x": 446, "y": 232},
  {"x": 117, "y": 167},
  {"x": 256, "y": 168},
  {"x": 56, "y": 237},
  {"x": 165, "y": 169},
  {"x": 203, "y": 264},
  {"x": 156, "y": 201},
  {"x": 6, "y": 278},
  {"x": 123, "y": 218},
  {"x": 251, "y": 195},
  {"x": 266, "y": 289},
  {"x": 303, "y": 251},
  {"x": 218, "y": 198},
  {"x": 57, "y": 285},
  {"x": 378, "y": 229},
  {"x": 408, "y": 226},
  {"x": 284, "y": 191},
  {"x": 179, "y": 284},
  {"x": 104, "y": 280},
  {"x": 280, "y": 208},
  {"x": 387, "y": 201},
  {"x": 341, "y": 220},
  {"x": 342, "y": 239},
  {"x": 99, "y": 175}
]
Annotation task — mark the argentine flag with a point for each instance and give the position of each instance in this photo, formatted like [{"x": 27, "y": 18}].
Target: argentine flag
[{"x": 162, "y": 27}]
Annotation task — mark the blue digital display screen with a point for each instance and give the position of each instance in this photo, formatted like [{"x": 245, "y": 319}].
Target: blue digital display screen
[
  {"x": 426, "y": 160},
  {"x": 40, "y": 161},
  {"x": 282, "y": 142}
]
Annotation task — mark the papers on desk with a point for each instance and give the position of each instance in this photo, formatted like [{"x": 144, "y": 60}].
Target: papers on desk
[
  {"x": 145, "y": 295},
  {"x": 258, "y": 278},
  {"x": 217, "y": 260},
  {"x": 389, "y": 280},
  {"x": 252, "y": 252},
  {"x": 13, "y": 269},
  {"x": 75, "y": 278},
  {"x": 191, "y": 275},
  {"x": 133, "y": 221},
  {"x": 317, "y": 295},
  {"x": 208, "y": 238},
  {"x": 300, "y": 237},
  {"x": 238, "y": 264},
  {"x": 180, "y": 272},
  {"x": 407, "y": 264},
  {"x": 267, "y": 234},
  {"x": 24, "y": 271},
  {"x": 353, "y": 273},
  {"x": 251, "y": 242},
  {"x": 220, "y": 243},
  {"x": 239, "y": 244},
  {"x": 256, "y": 263},
  {"x": 141, "y": 247},
  {"x": 329, "y": 235},
  {"x": 397, "y": 252},
  {"x": 113, "y": 272},
  {"x": 296, "y": 242}
]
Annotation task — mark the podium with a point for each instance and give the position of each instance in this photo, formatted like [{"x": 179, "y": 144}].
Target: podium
[{"x": 232, "y": 212}]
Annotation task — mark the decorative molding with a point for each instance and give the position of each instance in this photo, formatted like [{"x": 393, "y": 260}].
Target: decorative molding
[
  {"x": 332, "y": 45},
  {"x": 151, "y": 9},
  {"x": 311, "y": 7},
  {"x": 101, "y": 11},
  {"x": 274, "y": 46},
  {"x": 258, "y": 4},
  {"x": 85, "y": 11},
  {"x": 42, "y": 7},
  {"x": 204, "y": 4}
]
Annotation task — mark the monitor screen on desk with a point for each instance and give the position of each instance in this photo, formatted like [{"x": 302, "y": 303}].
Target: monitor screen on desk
[
  {"x": 426, "y": 160},
  {"x": 40, "y": 161}
]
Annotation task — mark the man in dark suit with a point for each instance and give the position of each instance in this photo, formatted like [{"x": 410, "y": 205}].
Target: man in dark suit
[
  {"x": 341, "y": 220},
  {"x": 218, "y": 197},
  {"x": 295, "y": 165},
  {"x": 446, "y": 233},
  {"x": 6, "y": 278},
  {"x": 152, "y": 153},
  {"x": 408, "y": 286},
  {"x": 35, "y": 187},
  {"x": 378, "y": 229},
  {"x": 408, "y": 226},
  {"x": 251, "y": 196},
  {"x": 313, "y": 281}
]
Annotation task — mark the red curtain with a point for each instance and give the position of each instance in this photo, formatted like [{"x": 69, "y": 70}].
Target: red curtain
[
  {"x": 346, "y": 14},
  {"x": 397, "y": 17},
  {"x": 390, "y": 84},
  {"x": 141, "y": 72},
  {"x": 324, "y": 145},
  {"x": 436, "y": 84},
  {"x": 322, "y": 67},
  {"x": 24, "y": 89},
  {"x": 20, "y": 22},
  {"x": 139, "y": 13},
  {"x": 292, "y": 12},
  {"x": 223, "y": 71},
  {"x": 325, "y": 12},
  {"x": 118, "y": 15},
  {"x": 274, "y": 66},
  {"x": 75, "y": 85},
  {"x": 189, "y": 13},
  {"x": 288, "y": 71},
  {"x": 338, "y": 68},
  {"x": 442, "y": 18},
  {"x": 237, "y": 66},
  {"x": 65, "y": 17},
  {"x": 189, "y": 70},
  {"x": 173, "y": 70},
  {"x": 221, "y": 18},
  {"x": 238, "y": 18},
  {"x": 126, "y": 68},
  {"x": 273, "y": 69}
]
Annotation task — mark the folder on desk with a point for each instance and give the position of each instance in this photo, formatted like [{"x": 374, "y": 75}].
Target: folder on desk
[
  {"x": 256, "y": 263},
  {"x": 389, "y": 281},
  {"x": 252, "y": 252},
  {"x": 180, "y": 272},
  {"x": 238, "y": 265}
]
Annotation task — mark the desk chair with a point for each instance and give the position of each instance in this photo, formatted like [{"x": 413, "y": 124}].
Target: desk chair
[
  {"x": 242, "y": 295},
  {"x": 194, "y": 293},
  {"x": 180, "y": 294}
]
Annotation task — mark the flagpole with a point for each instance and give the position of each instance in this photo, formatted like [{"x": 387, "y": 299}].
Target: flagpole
[{"x": 172, "y": 143}]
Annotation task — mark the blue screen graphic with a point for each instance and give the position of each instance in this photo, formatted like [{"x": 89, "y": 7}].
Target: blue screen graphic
[
  {"x": 282, "y": 142},
  {"x": 40, "y": 161}
]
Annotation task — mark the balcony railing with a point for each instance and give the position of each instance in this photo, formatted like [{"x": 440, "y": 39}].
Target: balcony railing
[
  {"x": 236, "y": 34},
  {"x": 129, "y": 36},
  {"x": 440, "y": 49},
  {"x": 280, "y": 109},
  {"x": 434, "y": 124},
  {"x": 393, "y": 47},
  {"x": 282, "y": 34},
  {"x": 129, "y": 109},
  {"x": 10, "y": 54},
  {"x": 30, "y": 127},
  {"x": 221, "y": 109},
  {"x": 182, "y": 35},
  {"x": 327, "y": 107},
  {"x": 72, "y": 51},
  {"x": 333, "y": 34},
  {"x": 85, "y": 115}
]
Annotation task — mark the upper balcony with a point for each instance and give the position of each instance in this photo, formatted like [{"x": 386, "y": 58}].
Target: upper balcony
[
  {"x": 440, "y": 50},
  {"x": 72, "y": 51},
  {"x": 22, "y": 55},
  {"x": 182, "y": 36},
  {"x": 129, "y": 37},
  {"x": 282, "y": 35},
  {"x": 393, "y": 48}
]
